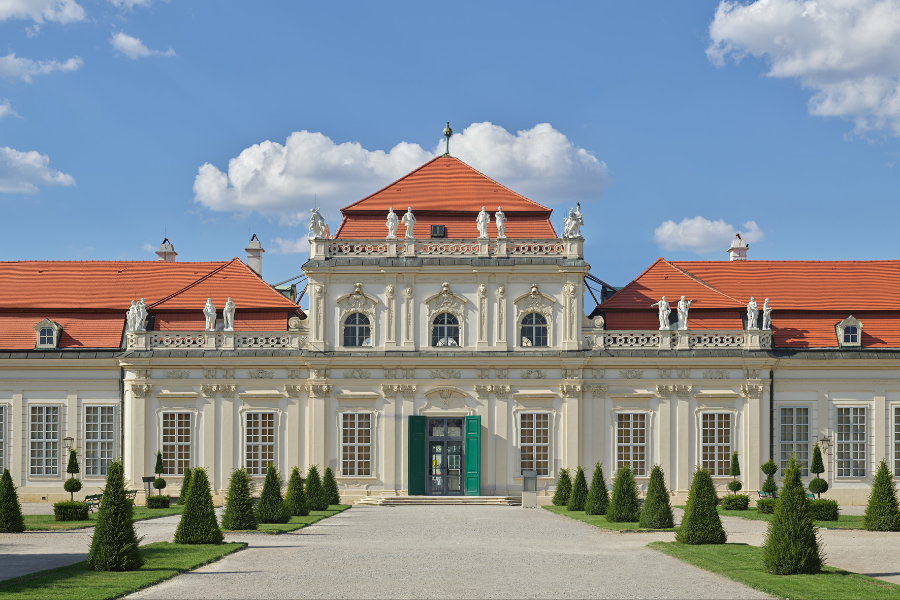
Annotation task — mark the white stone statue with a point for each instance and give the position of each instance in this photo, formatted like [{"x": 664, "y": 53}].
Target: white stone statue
[
  {"x": 683, "y": 307},
  {"x": 573, "y": 223},
  {"x": 393, "y": 221},
  {"x": 752, "y": 314},
  {"x": 316, "y": 224},
  {"x": 209, "y": 311},
  {"x": 137, "y": 316},
  {"x": 500, "y": 221},
  {"x": 131, "y": 317},
  {"x": 767, "y": 316},
  {"x": 228, "y": 315},
  {"x": 409, "y": 220},
  {"x": 482, "y": 223},
  {"x": 664, "y": 312}
]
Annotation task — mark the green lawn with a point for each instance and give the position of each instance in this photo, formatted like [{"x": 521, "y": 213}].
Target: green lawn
[
  {"x": 843, "y": 522},
  {"x": 74, "y": 582},
  {"x": 300, "y": 522},
  {"x": 744, "y": 564},
  {"x": 141, "y": 513},
  {"x": 598, "y": 520}
]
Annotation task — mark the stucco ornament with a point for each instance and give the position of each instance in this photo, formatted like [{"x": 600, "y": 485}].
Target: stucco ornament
[
  {"x": 358, "y": 302},
  {"x": 752, "y": 314},
  {"x": 209, "y": 311},
  {"x": 316, "y": 224},
  {"x": 228, "y": 315},
  {"x": 482, "y": 223},
  {"x": 683, "y": 307},
  {"x": 664, "y": 312},
  {"x": 500, "y": 221},
  {"x": 574, "y": 222},
  {"x": 409, "y": 220},
  {"x": 767, "y": 316},
  {"x": 393, "y": 221},
  {"x": 446, "y": 301}
]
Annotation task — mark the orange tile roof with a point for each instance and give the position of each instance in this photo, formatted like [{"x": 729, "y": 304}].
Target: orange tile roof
[
  {"x": 457, "y": 226},
  {"x": 79, "y": 330}
]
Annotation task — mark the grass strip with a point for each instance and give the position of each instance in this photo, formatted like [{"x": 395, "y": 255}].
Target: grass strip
[
  {"x": 300, "y": 522},
  {"x": 744, "y": 564},
  {"x": 76, "y": 582},
  {"x": 751, "y": 514},
  {"x": 598, "y": 520},
  {"x": 141, "y": 513}
]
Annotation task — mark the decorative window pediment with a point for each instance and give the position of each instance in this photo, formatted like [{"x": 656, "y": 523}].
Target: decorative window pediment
[
  {"x": 47, "y": 334},
  {"x": 447, "y": 302},
  {"x": 534, "y": 302},
  {"x": 357, "y": 302},
  {"x": 849, "y": 332}
]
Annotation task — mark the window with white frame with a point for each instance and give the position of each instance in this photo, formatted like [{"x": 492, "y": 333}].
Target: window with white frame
[
  {"x": 2, "y": 437},
  {"x": 794, "y": 437},
  {"x": 897, "y": 441},
  {"x": 534, "y": 443},
  {"x": 259, "y": 451},
  {"x": 176, "y": 442},
  {"x": 357, "y": 330},
  {"x": 45, "y": 440},
  {"x": 715, "y": 451},
  {"x": 631, "y": 442},
  {"x": 534, "y": 330},
  {"x": 851, "y": 334},
  {"x": 356, "y": 445},
  {"x": 46, "y": 336},
  {"x": 851, "y": 441},
  {"x": 99, "y": 439},
  {"x": 445, "y": 330}
]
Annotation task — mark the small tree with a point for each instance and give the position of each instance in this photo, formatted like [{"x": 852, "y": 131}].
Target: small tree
[
  {"x": 11, "y": 520},
  {"x": 315, "y": 495},
  {"x": 817, "y": 486},
  {"x": 735, "y": 471},
  {"x": 882, "y": 513},
  {"x": 239, "y": 513},
  {"x": 185, "y": 486},
  {"x": 769, "y": 468},
  {"x": 72, "y": 484},
  {"x": 657, "y": 512},
  {"x": 598, "y": 497},
  {"x": 114, "y": 544},
  {"x": 329, "y": 486},
  {"x": 624, "y": 506},
  {"x": 563, "y": 488},
  {"x": 271, "y": 508},
  {"x": 295, "y": 500},
  {"x": 792, "y": 545},
  {"x": 159, "y": 483},
  {"x": 701, "y": 523},
  {"x": 578, "y": 497},
  {"x": 198, "y": 519}
]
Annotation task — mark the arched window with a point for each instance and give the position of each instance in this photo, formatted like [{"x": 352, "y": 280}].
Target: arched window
[
  {"x": 851, "y": 334},
  {"x": 357, "y": 331},
  {"x": 534, "y": 330},
  {"x": 445, "y": 330}
]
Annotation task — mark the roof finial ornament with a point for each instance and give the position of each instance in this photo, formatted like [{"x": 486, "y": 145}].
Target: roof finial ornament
[{"x": 447, "y": 133}]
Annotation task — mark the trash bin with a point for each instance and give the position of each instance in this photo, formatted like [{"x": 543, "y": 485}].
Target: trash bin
[{"x": 529, "y": 489}]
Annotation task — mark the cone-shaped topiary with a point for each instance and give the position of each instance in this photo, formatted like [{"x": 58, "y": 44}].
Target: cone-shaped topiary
[
  {"x": 623, "y": 505},
  {"x": 735, "y": 471},
  {"x": 114, "y": 544},
  {"x": 271, "y": 508},
  {"x": 598, "y": 498},
  {"x": 239, "y": 512},
  {"x": 72, "y": 484},
  {"x": 11, "y": 520},
  {"x": 578, "y": 497},
  {"x": 769, "y": 468},
  {"x": 657, "y": 512},
  {"x": 882, "y": 513},
  {"x": 198, "y": 519},
  {"x": 563, "y": 488},
  {"x": 701, "y": 523},
  {"x": 295, "y": 500},
  {"x": 792, "y": 543},
  {"x": 72, "y": 468},
  {"x": 185, "y": 486},
  {"x": 817, "y": 486},
  {"x": 315, "y": 495},
  {"x": 329, "y": 485},
  {"x": 158, "y": 469}
]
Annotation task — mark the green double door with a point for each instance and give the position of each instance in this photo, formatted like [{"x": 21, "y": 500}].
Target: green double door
[{"x": 444, "y": 456}]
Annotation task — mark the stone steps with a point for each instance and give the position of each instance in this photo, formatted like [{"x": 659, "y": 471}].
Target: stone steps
[{"x": 440, "y": 500}]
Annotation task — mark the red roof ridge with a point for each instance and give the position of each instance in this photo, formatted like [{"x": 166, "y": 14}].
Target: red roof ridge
[
  {"x": 627, "y": 285},
  {"x": 192, "y": 284},
  {"x": 692, "y": 276}
]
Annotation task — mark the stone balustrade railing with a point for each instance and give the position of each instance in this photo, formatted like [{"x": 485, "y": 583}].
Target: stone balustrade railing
[
  {"x": 214, "y": 340},
  {"x": 322, "y": 249},
  {"x": 676, "y": 340}
]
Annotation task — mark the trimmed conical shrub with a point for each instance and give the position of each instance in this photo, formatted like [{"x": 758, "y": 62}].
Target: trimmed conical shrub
[
  {"x": 598, "y": 497},
  {"x": 734, "y": 469},
  {"x": 701, "y": 523},
  {"x": 792, "y": 545},
  {"x": 329, "y": 485},
  {"x": 657, "y": 512},
  {"x": 563, "y": 488},
  {"x": 185, "y": 486},
  {"x": 114, "y": 544},
  {"x": 624, "y": 506},
  {"x": 198, "y": 519},
  {"x": 239, "y": 512},
  {"x": 271, "y": 508},
  {"x": 315, "y": 495},
  {"x": 769, "y": 468},
  {"x": 11, "y": 520},
  {"x": 295, "y": 500},
  {"x": 578, "y": 497},
  {"x": 882, "y": 513},
  {"x": 72, "y": 484},
  {"x": 817, "y": 485}
]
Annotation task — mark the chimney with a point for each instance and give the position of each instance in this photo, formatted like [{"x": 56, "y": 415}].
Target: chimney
[
  {"x": 166, "y": 251},
  {"x": 738, "y": 249},
  {"x": 254, "y": 255}
]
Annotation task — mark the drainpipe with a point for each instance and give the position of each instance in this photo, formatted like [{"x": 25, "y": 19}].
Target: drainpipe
[
  {"x": 122, "y": 412},
  {"x": 771, "y": 414}
]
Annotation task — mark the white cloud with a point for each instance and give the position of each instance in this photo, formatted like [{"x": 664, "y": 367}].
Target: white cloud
[
  {"x": 134, "y": 48},
  {"x": 6, "y": 110},
  {"x": 309, "y": 168},
  {"x": 148, "y": 248},
  {"x": 40, "y": 11},
  {"x": 290, "y": 246},
  {"x": 13, "y": 67},
  {"x": 846, "y": 51},
  {"x": 23, "y": 172},
  {"x": 700, "y": 236},
  {"x": 131, "y": 3}
]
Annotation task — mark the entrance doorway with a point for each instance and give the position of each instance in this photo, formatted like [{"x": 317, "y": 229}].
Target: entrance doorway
[{"x": 445, "y": 456}]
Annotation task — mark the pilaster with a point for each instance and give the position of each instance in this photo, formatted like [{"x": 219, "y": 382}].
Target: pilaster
[
  {"x": 409, "y": 316},
  {"x": 501, "y": 314},
  {"x": 483, "y": 326}
]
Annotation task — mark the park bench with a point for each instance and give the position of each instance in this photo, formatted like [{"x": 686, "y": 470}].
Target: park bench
[
  {"x": 93, "y": 501},
  {"x": 763, "y": 494}
]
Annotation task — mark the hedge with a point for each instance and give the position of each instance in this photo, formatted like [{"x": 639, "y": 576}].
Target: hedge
[
  {"x": 70, "y": 511},
  {"x": 736, "y": 502},
  {"x": 159, "y": 501},
  {"x": 766, "y": 505},
  {"x": 824, "y": 510}
]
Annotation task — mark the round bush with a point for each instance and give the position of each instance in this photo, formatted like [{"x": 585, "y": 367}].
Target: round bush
[
  {"x": 824, "y": 510},
  {"x": 159, "y": 483},
  {"x": 735, "y": 486},
  {"x": 736, "y": 502},
  {"x": 72, "y": 485}
]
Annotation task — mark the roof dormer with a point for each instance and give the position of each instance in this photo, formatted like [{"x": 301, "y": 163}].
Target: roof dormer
[
  {"x": 47, "y": 334},
  {"x": 849, "y": 332}
]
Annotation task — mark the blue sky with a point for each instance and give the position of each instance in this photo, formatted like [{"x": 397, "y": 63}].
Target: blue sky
[{"x": 670, "y": 111}]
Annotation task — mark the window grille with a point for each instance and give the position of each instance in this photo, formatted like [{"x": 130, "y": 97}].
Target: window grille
[
  {"x": 99, "y": 439},
  {"x": 445, "y": 330},
  {"x": 897, "y": 441},
  {"x": 534, "y": 443},
  {"x": 716, "y": 443},
  {"x": 356, "y": 445},
  {"x": 631, "y": 442},
  {"x": 795, "y": 437},
  {"x": 176, "y": 442},
  {"x": 851, "y": 334},
  {"x": 46, "y": 337},
  {"x": 357, "y": 330},
  {"x": 534, "y": 330},
  {"x": 45, "y": 440},
  {"x": 260, "y": 450},
  {"x": 2, "y": 437},
  {"x": 851, "y": 441}
]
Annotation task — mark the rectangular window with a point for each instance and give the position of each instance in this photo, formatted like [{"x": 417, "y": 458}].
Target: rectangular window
[
  {"x": 534, "y": 443},
  {"x": 176, "y": 442},
  {"x": 716, "y": 443},
  {"x": 99, "y": 439},
  {"x": 260, "y": 450},
  {"x": 631, "y": 442},
  {"x": 795, "y": 437},
  {"x": 356, "y": 445},
  {"x": 45, "y": 440},
  {"x": 2, "y": 437},
  {"x": 897, "y": 441},
  {"x": 851, "y": 441}
]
